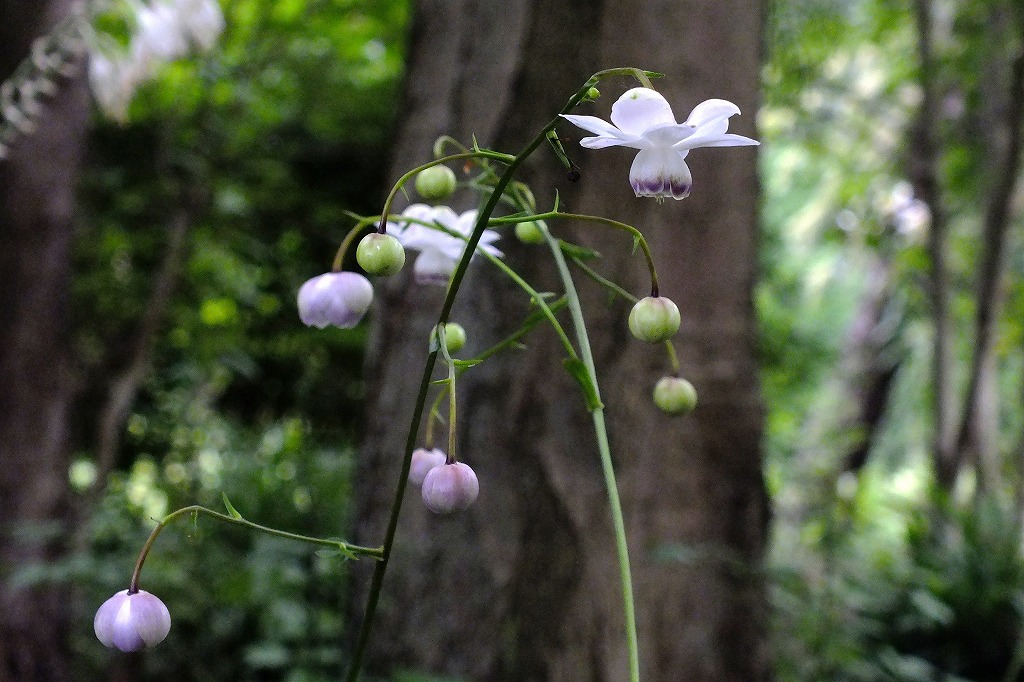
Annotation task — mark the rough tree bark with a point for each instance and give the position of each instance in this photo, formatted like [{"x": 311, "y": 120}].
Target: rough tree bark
[
  {"x": 37, "y": 184},
  {"x": 524, "y": 585}
]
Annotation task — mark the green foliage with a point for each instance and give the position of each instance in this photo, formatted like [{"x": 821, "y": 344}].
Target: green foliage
[{"x": 261, "y": 147}]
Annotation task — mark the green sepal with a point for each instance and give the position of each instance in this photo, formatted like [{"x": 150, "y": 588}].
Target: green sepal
[{"x": 579, "y": 372}]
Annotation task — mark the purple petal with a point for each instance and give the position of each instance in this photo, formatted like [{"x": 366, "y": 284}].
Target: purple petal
[{"x": 660, "y": 173}]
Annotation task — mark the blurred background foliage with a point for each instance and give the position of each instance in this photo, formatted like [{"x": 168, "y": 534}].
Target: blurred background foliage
[{"x": 256, "y": 150}]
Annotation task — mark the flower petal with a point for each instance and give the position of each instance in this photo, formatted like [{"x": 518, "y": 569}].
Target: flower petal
[
  {"x": 593, "y": 124},
  {"x": 710, "y": 110},
  {"x": 714, "y": 140},
  {"x": 151, "y": 617},
  {"x": 667, "y": 135},
  {"x": 640, "y": 109},
  {"x": 660, "y": 173},
  {"x": 433, "y": 267}
]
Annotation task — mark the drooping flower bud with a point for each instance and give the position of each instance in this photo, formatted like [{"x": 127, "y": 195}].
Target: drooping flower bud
[
  {"x": 530, "y": 232},
  {"x": 450, "y": 487},
  {"x": 132, "y": 621},
  {"x": 592, "y": 94},
  {"x": 423, "y": 461},
  {"x": 380, "y": 254},
  {"x": 454, "y": 336},
  {"x": 674, "y": 395},
  {"x": 436, "y": 183},
  {"x": 338, "y": 298},
  {"x": 654, "y": 319}
]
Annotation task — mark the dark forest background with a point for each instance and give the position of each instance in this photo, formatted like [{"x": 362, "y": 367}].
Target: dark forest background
[{"x": 846, "y": 503}]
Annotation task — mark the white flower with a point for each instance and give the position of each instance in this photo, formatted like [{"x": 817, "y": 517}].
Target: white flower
[
  {"x": 113, "y": 82},
  {"x": 643, "y": 120},
  {"x": 161, "y": 35},
  {"x": 439, "y": 252},
  {"x": 338, "y": 298},
  {"x": 203, "y": 20},
  {"x": 132, "y": 621}
]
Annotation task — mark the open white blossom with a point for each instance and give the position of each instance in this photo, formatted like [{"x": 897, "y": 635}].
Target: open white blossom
[
  {"x": 439, "y": 252},
  {"x": 643, "y": 119},
  {"x": 164, "y": 31}
]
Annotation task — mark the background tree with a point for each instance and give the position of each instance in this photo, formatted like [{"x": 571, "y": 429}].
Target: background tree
[
  {"x": 37, "y": 202},
  {"x": 523, "y": 586}
]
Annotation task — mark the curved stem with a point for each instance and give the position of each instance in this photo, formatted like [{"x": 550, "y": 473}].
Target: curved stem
[
  {"x": 476, "y": 154},
  {"x": 346, "y": 548},
  {"x": 601, "y": 432},
  {"x": 636, "y": 234},
  {"x": 339, "y": 257},
  {"x": 453, "y": 288}
]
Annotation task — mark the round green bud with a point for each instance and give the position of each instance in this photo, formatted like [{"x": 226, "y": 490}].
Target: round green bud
[
  {"x": 454, "y": 336},
  {"x": 530, "y": 232},
  {"x": 674, "y": 395},
  {"x": 436, "y": 183},
  {"x": 654, "y": 319},
  {"x": 380, "y": 254},
  {"x": 593, "y": 93}
]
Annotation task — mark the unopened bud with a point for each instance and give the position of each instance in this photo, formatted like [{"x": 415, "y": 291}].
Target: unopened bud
[
  {"x": 423, "y": 461},
  {"x": 380, "y": 254},
  {"x": 654, "y": 319},
  {"x": 454, "y": 336},
  {"x": 592, "y": 94},
  {"x": 436, "y": 183},
  {"x": 674, "y": 395},
  {"x": 450, "y": 487},
  {"x": 132, "y": 621},
  {"x": 530, "y": 232}
]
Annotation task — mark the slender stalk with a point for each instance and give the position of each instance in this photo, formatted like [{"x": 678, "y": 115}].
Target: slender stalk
[
  {"x": 636, "y": 234},
  {"x": 453, "y": 288},
  {"x": 133, "y": 586},
  {"x": 601, "y": 432}
]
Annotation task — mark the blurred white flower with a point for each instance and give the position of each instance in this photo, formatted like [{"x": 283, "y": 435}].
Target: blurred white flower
[
  {"x": 163, "y": 32},
  {"x": 644, "y": 120},
  {"x": 113, "y": 82},
  {"x": 203, "y": 20},
  {"x": 439, "y": 252}
]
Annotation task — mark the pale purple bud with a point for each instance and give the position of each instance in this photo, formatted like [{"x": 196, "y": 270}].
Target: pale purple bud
[
  {"x": 338, "y": 298},
  {"x": 451, "y": 487},
  {"x": 423, "y": 461},
  {"x": 132, "y": 621}
]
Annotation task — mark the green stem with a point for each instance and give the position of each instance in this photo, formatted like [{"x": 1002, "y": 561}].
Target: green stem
[
  {"x": 601, "y": 432},
  {"x": 636, "y": 234},
  {"x": 442, "y": 343},
  {"x": 453, "y": 288},
  {"x": 133, "y": 586}
]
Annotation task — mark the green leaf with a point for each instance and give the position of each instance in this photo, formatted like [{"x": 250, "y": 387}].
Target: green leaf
[
  {"x": 232, "y": 512},
  {"x": 466, "y": 363},
  {"x": 577, "y": 251},
  {"x": 579, "y": 372}
]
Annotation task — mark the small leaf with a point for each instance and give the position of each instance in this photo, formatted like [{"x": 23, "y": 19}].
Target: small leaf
[
  {"x": 636, "y": 245},
  {"x": 579, "y": 372},
  {"x": 577, "y": 251},
  {"x": 232, "y": 512},
  {"x": 466, "y": 363}
]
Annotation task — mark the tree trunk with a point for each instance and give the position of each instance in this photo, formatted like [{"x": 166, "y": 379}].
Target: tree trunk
[
  {"x": 524, "y": 585},
  {"x": 37, "y": 184}
]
